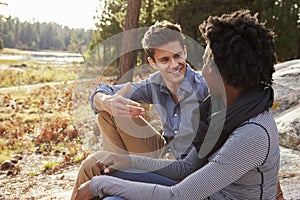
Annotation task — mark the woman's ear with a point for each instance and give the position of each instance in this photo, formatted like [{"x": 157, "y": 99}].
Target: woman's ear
[{"x": 151, "y": 62}]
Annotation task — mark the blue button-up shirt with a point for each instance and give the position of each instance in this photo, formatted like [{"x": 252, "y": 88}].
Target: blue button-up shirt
[{"x": 179, "y": 119}]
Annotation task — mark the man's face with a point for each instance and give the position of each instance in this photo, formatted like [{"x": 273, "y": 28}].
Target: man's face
[{"x": 170, "y": 60}]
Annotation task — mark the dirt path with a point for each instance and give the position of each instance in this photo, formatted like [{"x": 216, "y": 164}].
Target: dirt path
[{"x": 31, "y": 87}]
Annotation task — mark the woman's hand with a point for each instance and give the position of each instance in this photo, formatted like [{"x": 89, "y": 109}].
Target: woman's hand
[{"x": 113, "y": 162}]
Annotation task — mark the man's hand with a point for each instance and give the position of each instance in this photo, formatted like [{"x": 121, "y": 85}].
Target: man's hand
[
  {"x": 112, "y": 162},
  {"x": 117, "y": 105},
  {"x": 83, "y": 192}
]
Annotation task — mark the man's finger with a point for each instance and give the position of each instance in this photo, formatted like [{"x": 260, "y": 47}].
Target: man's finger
[
  {"x": 124, "y": 90},
  {"x": 100, "y": 169},
  {"x": 135, "y": 108},
  {"x": 102, "y": 165},
  {"x": 133, "y": 103},
  {"x": 109, "y": 170}
]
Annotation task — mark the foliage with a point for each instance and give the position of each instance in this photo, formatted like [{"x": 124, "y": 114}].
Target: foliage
[
  {"x": 276, "y": 14},
  {"x": 2, "y": 4},
  {"x": 36, "y": 36},
  {"x": 38, "y": 118},
  {"x": 282, "y": 16},
  {"x": 109, "y": 21}
]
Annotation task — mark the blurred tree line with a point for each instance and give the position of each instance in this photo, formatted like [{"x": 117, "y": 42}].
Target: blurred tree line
[
  {"x": 282, "y": 16},
  {"x": 42, "y": 36}
]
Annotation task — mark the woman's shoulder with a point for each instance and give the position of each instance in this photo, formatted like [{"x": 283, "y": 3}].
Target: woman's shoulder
[
  {"x": 264, "y": 119},
  {"x": 262, "y": 125}
]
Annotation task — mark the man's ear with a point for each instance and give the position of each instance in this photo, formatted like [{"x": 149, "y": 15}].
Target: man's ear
[
  {"x": 185, "y": 52},
  {"x": 151, "y": 62}
]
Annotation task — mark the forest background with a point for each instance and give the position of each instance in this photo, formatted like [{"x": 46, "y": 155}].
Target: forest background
[{"x": 282, "y": 16}]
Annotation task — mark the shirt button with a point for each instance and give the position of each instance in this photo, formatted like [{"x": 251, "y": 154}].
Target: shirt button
[{"x": 175, "y": 115}]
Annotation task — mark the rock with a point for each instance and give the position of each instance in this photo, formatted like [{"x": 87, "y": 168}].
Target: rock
[
  {"x": 6, "y": 165},
  {"x": 57, "y": 153},
  {"x": 14, "y": 161},
  {"x": 18, "y": 157},
  {"x": 288, "y": 125},
  {"x": 38, "y": 151},
  {"x": 287, "y": 100},
  {"x": 9, "y": 173},
  {"x": 19, "y": 66}
]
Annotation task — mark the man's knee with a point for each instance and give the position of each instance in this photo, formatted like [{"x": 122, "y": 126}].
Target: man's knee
[{"x": 88, "y": 166}]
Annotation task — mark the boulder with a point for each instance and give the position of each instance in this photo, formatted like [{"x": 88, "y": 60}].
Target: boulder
[
  {"x": 286, "y": 109},
  {"x": 288, "y": 124}
]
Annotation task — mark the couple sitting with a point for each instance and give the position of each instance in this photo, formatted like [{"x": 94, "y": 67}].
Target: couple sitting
[{"x": 225, "y": 144}]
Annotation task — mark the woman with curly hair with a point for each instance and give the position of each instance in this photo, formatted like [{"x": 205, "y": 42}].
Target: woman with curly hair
[{"x": 236, "y": 149}]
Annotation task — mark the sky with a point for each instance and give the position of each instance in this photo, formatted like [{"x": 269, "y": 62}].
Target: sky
[{"x": 71, "y": 13}]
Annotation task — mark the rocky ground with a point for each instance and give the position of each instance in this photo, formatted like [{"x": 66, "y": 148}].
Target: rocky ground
[
  {"x": 57, "y": 185},
  {"x": 30, "y": 182},
  {"x": 287, "y": 116},
  {"x": 289, "y": 173}
]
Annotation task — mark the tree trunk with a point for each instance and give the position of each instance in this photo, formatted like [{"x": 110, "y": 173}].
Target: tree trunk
[{"x": 129, "y": 43}]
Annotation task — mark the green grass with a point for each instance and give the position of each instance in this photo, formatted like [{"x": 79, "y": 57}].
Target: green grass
[
  {"x": 32, "y": 72},
  {"x": 5, "y": 155},
  {"x": 78, "y": 158},
  {"x": 32, "y": 173},
  {"x": 11, "y": 51},
  {"x": 12, "y": 77},
  {"x": 50, "y": 165}
]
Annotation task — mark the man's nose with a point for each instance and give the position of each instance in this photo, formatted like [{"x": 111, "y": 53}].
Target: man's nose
[{"x": 173, "y": 63}]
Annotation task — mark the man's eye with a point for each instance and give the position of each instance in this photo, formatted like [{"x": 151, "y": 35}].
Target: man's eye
[
  {"x": 164, "y": 60},
  {"x": 178, "y": 56}
]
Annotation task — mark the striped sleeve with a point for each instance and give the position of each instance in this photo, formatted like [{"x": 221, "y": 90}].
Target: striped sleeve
[
  {"x": 244, "y": 150},
  {"x": 173, "y": 169}
]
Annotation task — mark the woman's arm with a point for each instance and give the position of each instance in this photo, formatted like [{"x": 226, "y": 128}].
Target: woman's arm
[
  {"x": 243, "y": 151},
  {"x": 173, "y": 169}
]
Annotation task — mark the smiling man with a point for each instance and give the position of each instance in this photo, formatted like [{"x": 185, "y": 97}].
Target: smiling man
[{"x": 175, "y": 90}]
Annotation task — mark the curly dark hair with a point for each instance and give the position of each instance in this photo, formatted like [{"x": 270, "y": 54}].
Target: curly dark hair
[
  {"x": 160, "y": 33},
  {"x": 242, "y": 48}
]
